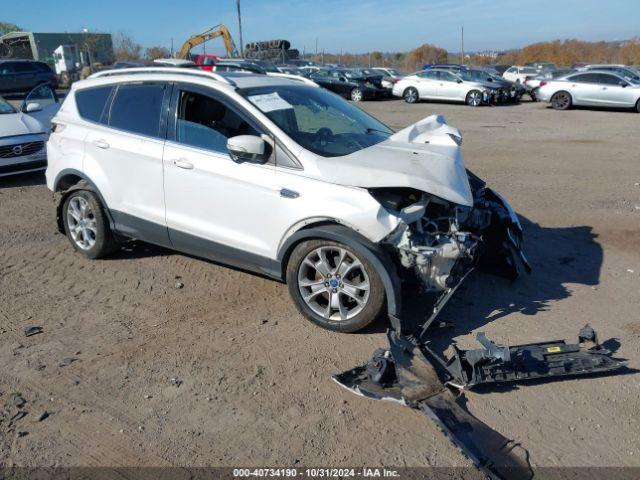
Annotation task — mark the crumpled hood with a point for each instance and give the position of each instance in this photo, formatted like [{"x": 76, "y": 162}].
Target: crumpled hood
[
  {"x": 422, "y": 156},
  {"x": 12, "y": 124}
]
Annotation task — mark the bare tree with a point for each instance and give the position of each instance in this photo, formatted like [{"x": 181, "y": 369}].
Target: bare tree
[
  {"x": 156, "y": 52},
  {"x": 6, "y": 27},
  {"x": 125, "y": 48}
]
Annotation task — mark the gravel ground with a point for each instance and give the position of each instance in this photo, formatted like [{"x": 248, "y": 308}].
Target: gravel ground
[{"x": 224, "y": 372}]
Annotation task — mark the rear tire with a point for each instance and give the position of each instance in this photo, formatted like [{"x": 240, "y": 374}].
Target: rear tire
[
  {"x": 410, "y": 95},
  {"x": 86, "y": 225},
  {"x": 638, "y": 106},
  {"x": 356, "y": 95},
  {"x": 334, "y": 286},
  {"x": 561, "y": 101},
  {"x": 474, "y": 98}
]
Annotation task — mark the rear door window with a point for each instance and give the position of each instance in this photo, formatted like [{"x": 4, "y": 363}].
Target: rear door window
[
  {"x": 137, "y": 108},
  {"x": 22, "y": 67},
  {"x": 585, "y": 78},
  {"x": 91, "y": 102}
]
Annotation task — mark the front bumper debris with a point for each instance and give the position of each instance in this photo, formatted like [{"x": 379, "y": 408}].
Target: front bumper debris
[{"x": 411, "y": 374}]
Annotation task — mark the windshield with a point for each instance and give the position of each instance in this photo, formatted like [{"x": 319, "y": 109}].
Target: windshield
[
  {"x": 318, "y": 120},
  {"x": 5, "y": 107}
]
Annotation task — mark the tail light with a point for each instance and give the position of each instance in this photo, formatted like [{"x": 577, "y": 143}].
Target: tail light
[{"x": 543, "y": 83}]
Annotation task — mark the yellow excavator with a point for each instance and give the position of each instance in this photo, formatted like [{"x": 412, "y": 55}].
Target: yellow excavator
[{"x": 213, "y": 32}]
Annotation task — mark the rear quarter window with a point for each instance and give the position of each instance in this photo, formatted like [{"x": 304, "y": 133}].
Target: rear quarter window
[
  {"x": 91, "y": 102},
  {"x": 137, "y": 108}
]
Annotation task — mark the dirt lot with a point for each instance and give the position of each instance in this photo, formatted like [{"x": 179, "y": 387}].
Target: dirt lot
[{"x": 225, "y": 372}]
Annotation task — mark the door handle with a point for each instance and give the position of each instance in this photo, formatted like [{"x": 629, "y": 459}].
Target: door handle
[
  {"x": 182, "y": 163},
  {"x": 286, "y": 193},
  {"x": 101, "y": 144}
]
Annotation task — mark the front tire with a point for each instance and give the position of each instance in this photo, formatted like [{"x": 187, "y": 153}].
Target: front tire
[
  {"x": 86, "y": 225},
  {"x": 334, "y": 286},
  {"x": 356, "y": 95},
  {"x": 638, "y": 106},
  {"x": 474, "y": 98},
  {"x": 410, "y": 95},
  {"x": 561, "y": 101}
]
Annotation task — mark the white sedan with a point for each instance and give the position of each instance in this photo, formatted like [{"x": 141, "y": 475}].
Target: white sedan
[
  {"x": 24, "y": 131},
  {"x": 439, "y": 84},
  {"x": 593, "y": 88}
]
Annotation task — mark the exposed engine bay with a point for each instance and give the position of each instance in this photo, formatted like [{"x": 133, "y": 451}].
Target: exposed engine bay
[{"x": 440, "y": 242}]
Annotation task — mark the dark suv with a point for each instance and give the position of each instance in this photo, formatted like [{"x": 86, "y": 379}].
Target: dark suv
[{"x": 23, "y": 75}]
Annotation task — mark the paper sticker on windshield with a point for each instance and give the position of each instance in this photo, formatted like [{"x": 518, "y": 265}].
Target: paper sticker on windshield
[{"x": 269, "y": 102}]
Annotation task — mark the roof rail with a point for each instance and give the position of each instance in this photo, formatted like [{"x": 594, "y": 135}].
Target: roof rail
[
  {"x": 172, "y": 70},
  {"x": 292, "y": 76}
]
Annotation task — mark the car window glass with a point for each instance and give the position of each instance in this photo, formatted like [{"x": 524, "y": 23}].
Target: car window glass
[
  {"x": 512, "y": 70},
  {"x": 585, "y": 78},
  {"x": 22, "y": 67},
  {"x": 136, "y": 108},
  {"x": 5, "y": 107},
  {"x": 609, "y": 79},
  {"x": 91, "y": 102},
  {"x": 320, "y": 74},
  {"x": 42, "y": 67},
  {"x": 6, "y": 68},
  {"x": 429, "y": 74},
  {"x": 447, "y": 77},
  {"x": 205, "y": 122},
  {"x": 42, "y": 95}
]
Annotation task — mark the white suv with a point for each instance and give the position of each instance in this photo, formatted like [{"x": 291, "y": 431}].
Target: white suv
[{"x": 275, "y": 176}]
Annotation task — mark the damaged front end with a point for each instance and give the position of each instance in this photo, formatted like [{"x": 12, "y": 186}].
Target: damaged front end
[{"x": 440, "y": 243}]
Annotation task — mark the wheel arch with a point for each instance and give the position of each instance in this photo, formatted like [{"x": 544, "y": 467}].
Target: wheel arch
[
  {"x": 331, "y": 230},
  {"x": 70, "y": 180}
]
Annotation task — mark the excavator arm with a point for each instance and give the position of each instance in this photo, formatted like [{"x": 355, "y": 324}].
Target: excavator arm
[{"x": 211, "y": 33}]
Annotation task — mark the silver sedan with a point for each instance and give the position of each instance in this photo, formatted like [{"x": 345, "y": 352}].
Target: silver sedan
[{"x": 594, "y": 88}]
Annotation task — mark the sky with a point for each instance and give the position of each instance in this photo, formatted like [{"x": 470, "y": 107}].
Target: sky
[{"x": 355, "y": 26}]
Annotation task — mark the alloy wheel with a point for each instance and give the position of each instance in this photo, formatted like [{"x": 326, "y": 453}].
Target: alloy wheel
[
  {"x": 333, "y": 283},
  {"x": 356, "y": 95},
  {"x": 561, "y": 101},
  {"x": 411, "y": 96},
  {"x": 82, "y": 223},
  {"x": 475, "y": 98}
]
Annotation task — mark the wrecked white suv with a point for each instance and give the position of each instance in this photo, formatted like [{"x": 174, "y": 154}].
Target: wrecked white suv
[{"x": 276, "y": 176}]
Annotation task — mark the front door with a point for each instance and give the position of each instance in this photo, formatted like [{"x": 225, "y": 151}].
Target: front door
[{"x": 215, "y": 207}]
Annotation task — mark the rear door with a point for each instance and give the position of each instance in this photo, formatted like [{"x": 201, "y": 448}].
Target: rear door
[
  {"x": 123, "y": 156},
  {"x": 428, "y": 83},
  {"x": 25, "y": 75},
  {"x": 449, "y": 88},
  {"x": 585, "y": 88}
]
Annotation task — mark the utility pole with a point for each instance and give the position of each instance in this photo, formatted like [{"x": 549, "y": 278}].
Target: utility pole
[
  {"x": 240, "y": 29},
  {"x": 316, "y": 49},
  {"x": 171, "y": 47},
  {"x": 462, "y": 62}
]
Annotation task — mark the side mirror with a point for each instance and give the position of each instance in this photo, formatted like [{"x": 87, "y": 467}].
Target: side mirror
[
  {"x": 458, "y": 81},
  {"x": 622, "y": 84},
  {"x": 343, "y": 79},
  {"x": 247, "y": 148},
  {"x": 33, "y": 107}
]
